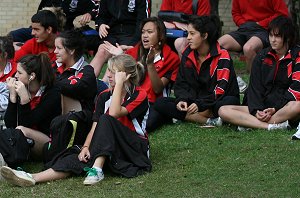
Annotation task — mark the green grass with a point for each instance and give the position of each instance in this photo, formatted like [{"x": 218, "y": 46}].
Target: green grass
[{"x": 189, "y": 161}]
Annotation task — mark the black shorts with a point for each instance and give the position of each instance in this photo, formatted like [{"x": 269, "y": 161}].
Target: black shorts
[{"x": 248, "y": 30}]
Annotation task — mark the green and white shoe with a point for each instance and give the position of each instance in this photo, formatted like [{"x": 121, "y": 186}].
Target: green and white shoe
[{"x": 93, "y": 176}]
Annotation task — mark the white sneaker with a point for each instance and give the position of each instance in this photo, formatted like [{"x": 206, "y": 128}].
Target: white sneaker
[
  {"x": 283, "y": 125},
  {"x": 2, "y": 163},
  {"x": 214, "y": 121},
  {"x": 93, "y": 176},
  {"x": 242, "y": 84},
  {"x": 296, "y": 136},
  {"x": 17, "y": 177}
]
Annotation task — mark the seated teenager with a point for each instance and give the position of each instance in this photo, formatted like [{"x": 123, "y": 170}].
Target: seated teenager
[
  {"x": 7, "y": 69},
  {"x": 74, "y": 76},
  {"x": 77, "y": 83},
  {"x": 33, "y": 100},
  {"x": 118, "y": 137},
  {"x": 20, "y": 36},
  {"x": 161, "y": 64},
  {"x": 44, "y": 28},
  {"x": 252, "y": 18},
  {"x": 206, "y": 79},
  {"x": 273, "y": 93}
]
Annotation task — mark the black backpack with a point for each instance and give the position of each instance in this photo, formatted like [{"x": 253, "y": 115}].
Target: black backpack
[
  {"x": 65, "y": 131},
  {"x": 14, "y": 147}
]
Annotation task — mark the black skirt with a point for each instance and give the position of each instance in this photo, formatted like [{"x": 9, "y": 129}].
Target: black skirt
[{"x": 126, "y": 153}]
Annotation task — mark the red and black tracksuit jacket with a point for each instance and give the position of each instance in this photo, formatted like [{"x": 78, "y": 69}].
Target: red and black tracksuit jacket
[
  {"x": 274, "y": 81},
  {"x": 78, "y": 83},
  {"x": 38, "y": 113},
  {"x": 136, "y": 104},
  {"x": 209, "y": 83}
]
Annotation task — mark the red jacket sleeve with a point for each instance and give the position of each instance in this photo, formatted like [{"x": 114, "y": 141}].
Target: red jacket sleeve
[
  {"x": 279, "y": 8},
  {"x": 236, "y": 13},
  {"x": 203, "y": 7},
  {"x": 166, "y": 5}
]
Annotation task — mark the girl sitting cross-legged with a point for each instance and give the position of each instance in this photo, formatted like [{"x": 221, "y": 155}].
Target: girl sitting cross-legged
[
  {"x": 206, "y": 79},
  {"x": 273, "y": 94}
]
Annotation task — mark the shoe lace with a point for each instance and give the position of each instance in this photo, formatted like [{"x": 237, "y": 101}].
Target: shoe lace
[
  {"x": 90, "y": 171},
  {"x": 20, "y": 169}
]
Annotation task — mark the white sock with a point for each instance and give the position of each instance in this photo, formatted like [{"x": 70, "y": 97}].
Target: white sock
[
  {"x": 98, "y": 168},
  {"x": 269, "y": 126},
  {"x": 208, "y": 120}
]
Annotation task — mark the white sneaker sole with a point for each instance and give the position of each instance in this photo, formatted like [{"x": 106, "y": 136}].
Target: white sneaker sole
[
  {"x": 9, "y": 175},
  {"x": 2, "y": 163},
  {"x": 89, "y": 183}
]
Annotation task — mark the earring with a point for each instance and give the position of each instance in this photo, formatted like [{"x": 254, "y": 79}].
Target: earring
[{"x": 159, "y": 43}]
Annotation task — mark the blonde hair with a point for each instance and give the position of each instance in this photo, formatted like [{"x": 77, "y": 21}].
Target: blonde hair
[{"x": 127, "y": 64}]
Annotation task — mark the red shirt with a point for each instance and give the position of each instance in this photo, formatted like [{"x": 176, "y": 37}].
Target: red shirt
[
  {"x": 186, "y": 6},
  {"x": 9, "y": 70},
  {"x": 33, "y": 47},
  {"x": 261, "y": 11},
  {"x": 167, "y": 66}
]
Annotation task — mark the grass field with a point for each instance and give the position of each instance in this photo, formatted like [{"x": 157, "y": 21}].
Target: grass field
[{"x": 189, "y": 161}]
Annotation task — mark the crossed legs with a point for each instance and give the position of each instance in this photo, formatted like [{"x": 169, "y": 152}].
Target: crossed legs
[{"x": 240, "y": 116}]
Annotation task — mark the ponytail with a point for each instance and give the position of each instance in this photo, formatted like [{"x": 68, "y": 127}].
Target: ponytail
[
  {"x": 140, "y": 72},
  {"x": 47, "y": 73},
  {"x": 40, "y": 65}
]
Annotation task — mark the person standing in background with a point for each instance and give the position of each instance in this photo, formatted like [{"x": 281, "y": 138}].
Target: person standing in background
[{"x": 252, "y": 18}]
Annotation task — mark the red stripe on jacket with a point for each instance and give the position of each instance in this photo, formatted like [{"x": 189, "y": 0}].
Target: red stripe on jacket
[{"x": 296, "y": 94}]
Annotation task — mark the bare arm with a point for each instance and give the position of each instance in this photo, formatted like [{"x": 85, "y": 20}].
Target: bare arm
[
  {"x": 157, "y": 83},
  {"x": 116, "y": 110}
]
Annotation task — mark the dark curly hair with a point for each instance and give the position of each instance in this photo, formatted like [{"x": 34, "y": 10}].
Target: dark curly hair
[
  {"x": 207, "y": 24},
  {"x": 73, "y": 40}
]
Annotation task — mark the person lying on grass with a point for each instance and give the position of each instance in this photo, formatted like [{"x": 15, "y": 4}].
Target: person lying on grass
[
  {"x": 206, "y": 78},
  {"x": 117, "y": 138},
  {"x": 273, "y": 95}
]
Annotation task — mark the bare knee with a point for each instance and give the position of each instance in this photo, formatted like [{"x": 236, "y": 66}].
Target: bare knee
[
  {"x": 249, "y": 50},
  {"x": 252, "y": 46},
  {"x": 24, "y": 130},
  {"x": 222, "y": 111},
  {"x": 229, "y": 43},
  {"x": 294, "y": 106},
  {"x": 180, "y": 44}
]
